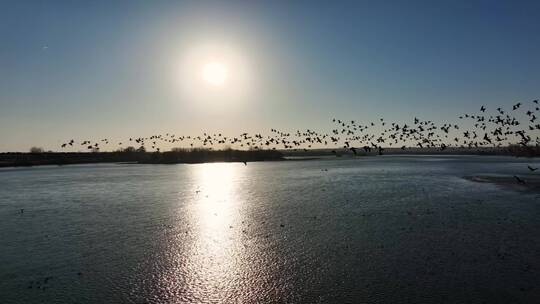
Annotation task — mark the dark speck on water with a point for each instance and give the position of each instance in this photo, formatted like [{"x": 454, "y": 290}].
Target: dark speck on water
[{"x": 388, "y": 229}]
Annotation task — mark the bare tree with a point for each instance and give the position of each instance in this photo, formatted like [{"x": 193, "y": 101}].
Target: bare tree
[
  {"x": 129, "y": 149},
  {"x": 36, "y": 150}
]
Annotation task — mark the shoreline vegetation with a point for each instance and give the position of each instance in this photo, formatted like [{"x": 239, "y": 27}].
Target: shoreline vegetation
[
  {"x": 200, "y": 155},
  {"x": 177, "y": 156}
]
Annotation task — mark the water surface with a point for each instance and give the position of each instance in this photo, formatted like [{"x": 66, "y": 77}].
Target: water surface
[{"x": 391, "y": 229}]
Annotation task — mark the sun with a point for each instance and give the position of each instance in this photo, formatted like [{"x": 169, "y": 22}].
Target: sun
[
  {"x": 215, "y": 73},
  {"x": 212, "y": 74}
]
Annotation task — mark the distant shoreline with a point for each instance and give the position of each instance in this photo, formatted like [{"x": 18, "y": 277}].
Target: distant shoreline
[
  {"x": 512, "y": 150},
  {"x": 195, "y": 156},
  {"x": 198, "y": 156}
]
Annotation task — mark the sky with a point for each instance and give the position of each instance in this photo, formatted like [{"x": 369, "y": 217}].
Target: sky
[{"x": 120, "y": 69}]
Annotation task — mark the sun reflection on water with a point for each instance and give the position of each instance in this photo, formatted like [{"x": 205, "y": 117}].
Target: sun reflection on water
[
  {"x": 216, "y": 195},
  {"x": 207, "y": 263}
]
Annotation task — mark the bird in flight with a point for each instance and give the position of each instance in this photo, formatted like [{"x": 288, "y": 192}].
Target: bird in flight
[{"x": 519, "y": 180}]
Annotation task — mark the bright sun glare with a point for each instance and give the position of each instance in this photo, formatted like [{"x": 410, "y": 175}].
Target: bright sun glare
[{"x": 214, "y": 73}]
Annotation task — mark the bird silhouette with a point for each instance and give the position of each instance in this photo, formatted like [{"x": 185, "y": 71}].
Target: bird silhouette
[{"x": 519, "y": 180}]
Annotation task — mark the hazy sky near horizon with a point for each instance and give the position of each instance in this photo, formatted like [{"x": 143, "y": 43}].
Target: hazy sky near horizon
[{"x": 119, "y": 69}]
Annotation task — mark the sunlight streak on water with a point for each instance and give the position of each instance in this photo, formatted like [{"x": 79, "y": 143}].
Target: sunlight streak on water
[{"x": 213, "y": 260}]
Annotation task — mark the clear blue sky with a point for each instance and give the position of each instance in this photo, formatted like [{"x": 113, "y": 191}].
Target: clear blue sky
[{"x": 96, "y": 69}]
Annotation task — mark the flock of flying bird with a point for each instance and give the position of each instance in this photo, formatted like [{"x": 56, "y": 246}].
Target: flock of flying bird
[{"x": 480, "y": 129}]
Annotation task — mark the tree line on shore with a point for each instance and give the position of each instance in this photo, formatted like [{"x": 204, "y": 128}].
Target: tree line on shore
[{"x": 38, "y": 156}]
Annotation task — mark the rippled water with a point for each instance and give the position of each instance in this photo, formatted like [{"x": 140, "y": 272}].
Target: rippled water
[{"x": 391, "y": 229}]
